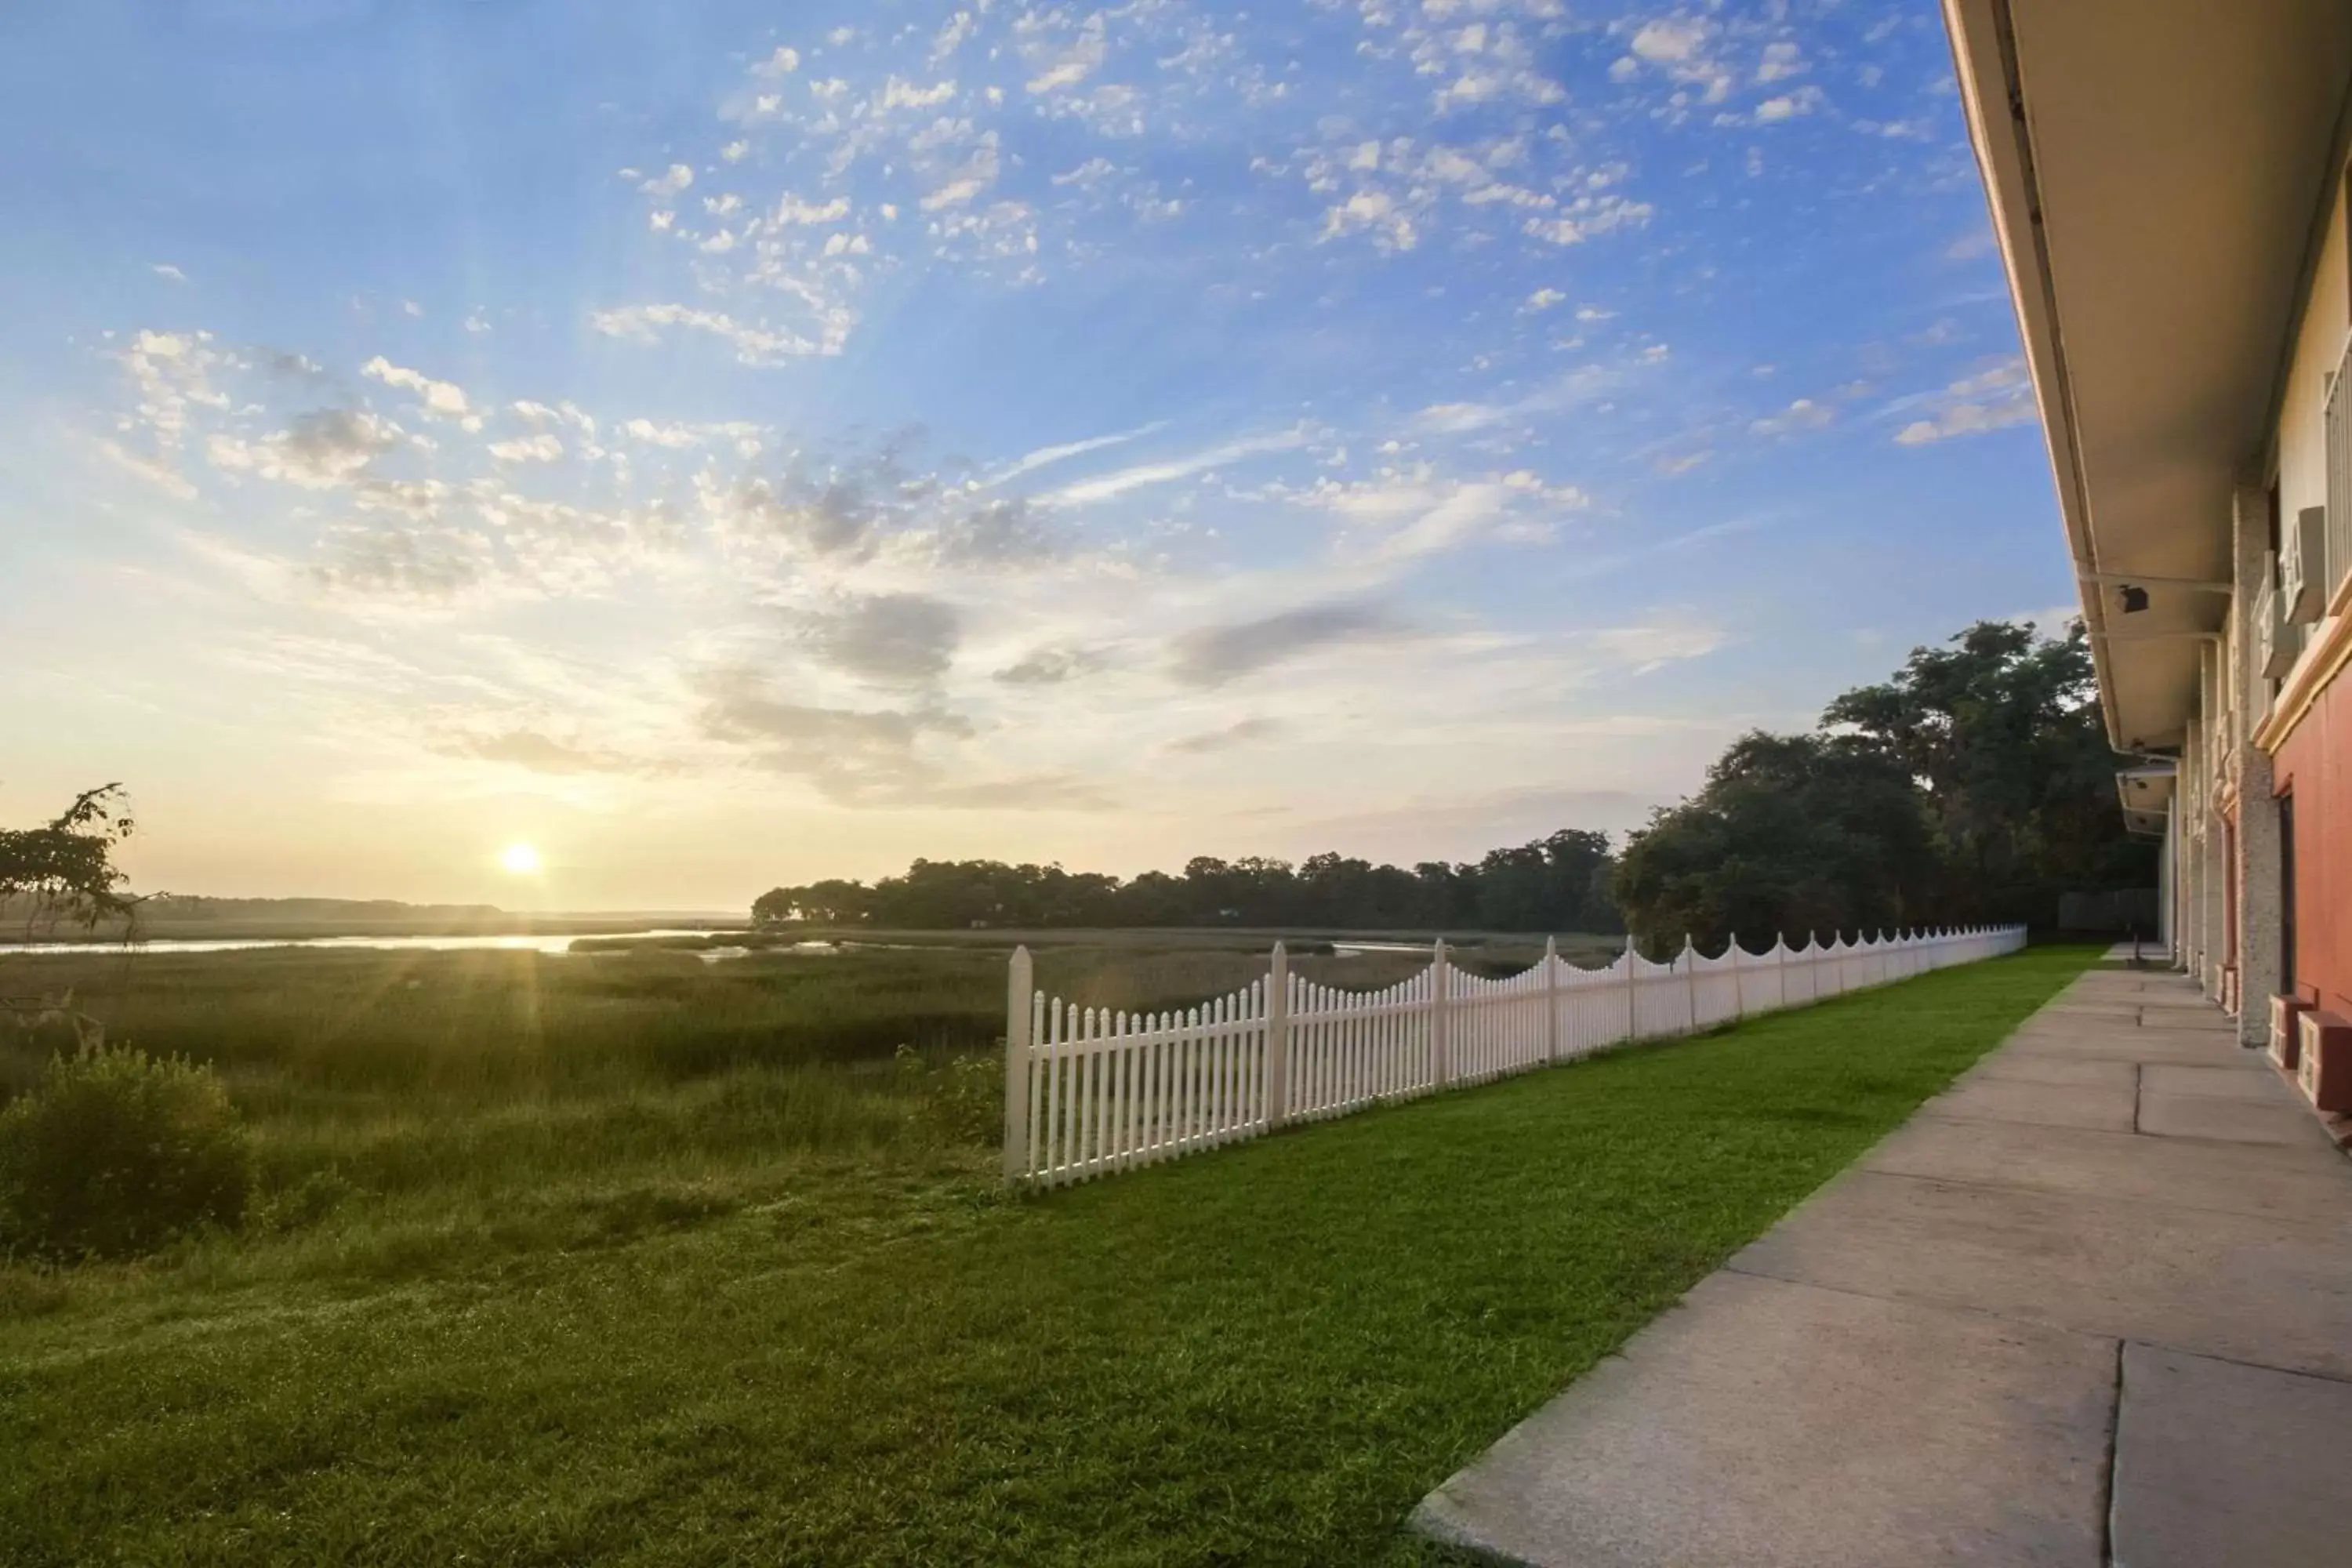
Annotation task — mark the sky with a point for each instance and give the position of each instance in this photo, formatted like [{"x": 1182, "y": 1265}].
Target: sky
[{"x": 728, "y": 445}]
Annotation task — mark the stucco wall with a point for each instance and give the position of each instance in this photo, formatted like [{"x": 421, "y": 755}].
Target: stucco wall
[
  {"x": 2316, "y": 765},
  {"x": 2318, "y": 349},
  {"x": 2314, "y": 760}
]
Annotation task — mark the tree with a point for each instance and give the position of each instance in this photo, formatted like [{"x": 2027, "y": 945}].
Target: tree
[
  {"x": 1789, "y": 834},
  {"x": 2003, "y": 731},
  {"x": 1556, "y": 884},
  {"x": 65, "y": 872}
]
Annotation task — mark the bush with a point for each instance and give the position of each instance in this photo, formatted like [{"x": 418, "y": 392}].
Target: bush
[
  {"x": 115, "y": 1153},
  {"x": 962, "y": 1098}
]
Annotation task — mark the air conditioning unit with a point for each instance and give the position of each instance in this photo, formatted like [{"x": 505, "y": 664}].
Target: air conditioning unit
[
  {"x": 2325, "y": 1071},
  {"x": 2286, "y": 1030},
  {"x": 2302, "y": 567},
  {"x": 2274, "y": 639}
]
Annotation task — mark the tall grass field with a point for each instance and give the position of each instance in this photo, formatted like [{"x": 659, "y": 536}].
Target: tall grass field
[{"x": 627, "y": 1256}]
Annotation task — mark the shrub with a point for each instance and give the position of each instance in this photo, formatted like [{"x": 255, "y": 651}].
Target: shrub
[
  {"x": 962, "y": 1098},
  {"x": 116, "y": 1152}
]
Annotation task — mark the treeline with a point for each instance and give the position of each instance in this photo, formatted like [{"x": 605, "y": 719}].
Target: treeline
[
  {"x": 1975, "y": 786},
  {"x": 1557, "y": 884}
]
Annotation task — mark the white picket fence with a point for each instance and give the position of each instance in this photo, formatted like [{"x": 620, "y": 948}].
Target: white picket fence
[{"x": 1088, "y": 1091}]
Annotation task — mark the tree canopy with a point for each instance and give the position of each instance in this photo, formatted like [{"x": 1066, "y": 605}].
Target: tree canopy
[
  {"x": 1557, "y": 884},
  {"x": 1974, "y": 785},
  {"x": 2002, "y": 731},
  {"x": 1791, "y": 833},
  {"x": 64, "y": 872}
]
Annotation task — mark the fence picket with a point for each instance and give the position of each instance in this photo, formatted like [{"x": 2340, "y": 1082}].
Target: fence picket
[{"x": 1093, "y": 1090}]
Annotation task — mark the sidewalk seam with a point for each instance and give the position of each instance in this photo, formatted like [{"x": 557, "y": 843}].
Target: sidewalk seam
[
  {"x": 1961, "y": 1309},
  {"x": 2115, "y": 1450},
  {"x": 2103, "y": 1198}
]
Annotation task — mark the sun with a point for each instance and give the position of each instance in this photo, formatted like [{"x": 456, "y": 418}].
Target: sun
[{"x": 520, "y": 859}]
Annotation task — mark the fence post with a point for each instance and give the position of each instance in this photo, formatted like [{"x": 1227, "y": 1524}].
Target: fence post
[
  {"x": 1690, "y": 981},
  {"x": 1781, "y": 965},
  {"x": 1632, "y": 1012},
  {"x": 1441, "y": 1049},
  {"x": 1277, "y": 1039},
  {"x": 1019, "y": 985},
  {"x": 1551, "y": 998},
  {"x": 1739, "y": 987}
]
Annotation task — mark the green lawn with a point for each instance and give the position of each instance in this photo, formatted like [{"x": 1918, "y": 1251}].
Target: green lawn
[{"x": 1264, "y": 1354}]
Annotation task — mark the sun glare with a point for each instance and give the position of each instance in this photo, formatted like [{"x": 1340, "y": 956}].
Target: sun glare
[{"x": 520, "y": 859}]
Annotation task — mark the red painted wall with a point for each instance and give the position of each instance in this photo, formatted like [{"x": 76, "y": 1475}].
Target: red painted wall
[{"x": 2316, "y": 767}]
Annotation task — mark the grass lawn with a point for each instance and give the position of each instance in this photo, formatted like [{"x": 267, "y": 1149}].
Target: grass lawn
[{"x": 1266, "y": 1353}]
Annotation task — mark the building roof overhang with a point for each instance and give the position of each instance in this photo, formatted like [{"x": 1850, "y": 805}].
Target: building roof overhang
[
  {"x": 2145, "y": 792},
  {"x": 2157, "y": 171}
]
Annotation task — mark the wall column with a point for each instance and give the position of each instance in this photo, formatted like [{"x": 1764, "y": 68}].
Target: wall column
[
  {"x": 2262, "y": 968},
  {"x": 2167, "y": 881},
  {"x": 2187, "y": 793},
  {"x": 2214, "y": 915}
]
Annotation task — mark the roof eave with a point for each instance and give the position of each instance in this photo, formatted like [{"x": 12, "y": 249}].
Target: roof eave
[{"x": 1984, "y": 58}]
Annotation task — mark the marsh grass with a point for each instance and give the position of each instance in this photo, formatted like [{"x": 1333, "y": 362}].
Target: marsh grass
[
  {"x": 580, "y": 1303},
  {"x": 422, "y": 1085}
]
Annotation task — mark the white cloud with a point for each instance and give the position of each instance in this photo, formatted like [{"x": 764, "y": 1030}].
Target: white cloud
[
  {"x": 565, "y": 412},
  {"x": 156, "y": 472},
  {"x": 477, "y": 322},
  {"x": 966, "y": 179},
  {"x": 1671, "y": 40},
  {"x": 676, "y": 180},
  {"x": 1682, "y": 47},
  {"x": 1654, "y": 646},
  {"x": 752, "y": 344},
  {"x": 1377, "y": 212},
  {"x": 1412, "y": 511},
  {"x": 898, "y": 94},
  {"x": 1588, "y": 216},
  {"x": 323, "y": 450},
  {"x": 1788, "y": 105},
  {"x": 1780, "y": 60},
  {"x": 173, "y": 373},
  {"x": 541, "y": 447},
  {"x": 1043, "y": 455},
  {"x": 791, "y": 209},
  {"x": 165, "y": 269},
  {"x": 1072, "y": 65},
  {"x": 441, "y": 399},
  {"x": 1803, "y": 413},
  {"x": 1104, "y": 486},
  {"x": 1090, "y": 176},
  {"x": 1544, "y": 299},
  {"x": 671, "y": 435},
  {"x": 1992, "y": 399}
]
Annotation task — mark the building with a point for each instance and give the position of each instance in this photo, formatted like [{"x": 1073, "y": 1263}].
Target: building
[{"x": 2168, "y": 186}]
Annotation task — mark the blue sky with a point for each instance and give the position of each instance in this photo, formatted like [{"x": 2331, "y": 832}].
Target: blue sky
[{"x": 724, "y": 449}]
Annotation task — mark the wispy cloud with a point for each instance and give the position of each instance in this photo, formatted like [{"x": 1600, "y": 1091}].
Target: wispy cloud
[
  {"x": 1045, "y": 457},
  {"x": 1103, "y": 487},
  {"x": 1992, "y": 399},
  {"x": 1215, "y": 655}
]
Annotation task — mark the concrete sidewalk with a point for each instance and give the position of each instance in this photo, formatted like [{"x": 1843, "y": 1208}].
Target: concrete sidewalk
[{"x": 2091, "y": 1305}]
